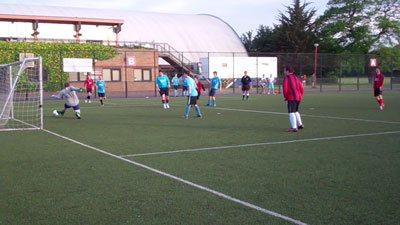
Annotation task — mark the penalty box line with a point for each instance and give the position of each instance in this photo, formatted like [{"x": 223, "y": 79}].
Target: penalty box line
[
  {"x": 227, "y": 197},
  {"x": 260, "y": 144},
  {"x": 306, "y": 115}
]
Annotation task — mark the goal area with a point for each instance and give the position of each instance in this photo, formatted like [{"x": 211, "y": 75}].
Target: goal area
[{"x": 21, "y": 95}]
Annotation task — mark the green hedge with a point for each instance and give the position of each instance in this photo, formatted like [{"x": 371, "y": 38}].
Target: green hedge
[{"x": 52, "y": 55}]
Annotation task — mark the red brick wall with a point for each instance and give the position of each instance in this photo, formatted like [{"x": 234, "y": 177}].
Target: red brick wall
[{"x": 145, "y": 59}]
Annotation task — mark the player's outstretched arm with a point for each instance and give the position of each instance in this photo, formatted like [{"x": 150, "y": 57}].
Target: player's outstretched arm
[
  {"x": 75, "y": 89},
  {"x": 59, "y": 95}
]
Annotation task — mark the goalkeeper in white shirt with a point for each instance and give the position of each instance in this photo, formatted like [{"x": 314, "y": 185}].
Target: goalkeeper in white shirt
[{"x": 71, "y": 101}]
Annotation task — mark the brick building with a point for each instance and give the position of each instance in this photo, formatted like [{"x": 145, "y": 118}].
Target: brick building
[{"x": 121, "y": 76}]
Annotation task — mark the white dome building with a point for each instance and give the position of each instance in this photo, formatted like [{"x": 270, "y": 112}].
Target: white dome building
[{"x": 196, "y": 35}]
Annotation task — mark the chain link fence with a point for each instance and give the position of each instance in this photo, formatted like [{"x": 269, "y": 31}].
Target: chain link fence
[{"x": 330, "y": 72}]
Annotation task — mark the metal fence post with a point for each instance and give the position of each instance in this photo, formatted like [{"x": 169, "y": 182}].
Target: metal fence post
[
  {"x": 391, "y": 73},
  {"x": 155, "y": 73},
  {"x": 209, "y": 72},
  {"x": 257, "y": 72},
  {"x": 358, "y": 73},
  {"x": 61, "y": 70},
  {"x": 126, "y": 77},
  {"x": 94, "y": 71},
  {"x": 340, "y": 76},
  {"x": 320, "y": 75},
  {"x": 233, "y": 74}
]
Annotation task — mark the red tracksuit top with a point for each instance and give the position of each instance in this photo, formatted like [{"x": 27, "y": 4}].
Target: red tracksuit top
[
  {"x": 292, "y": 88},
  {"x": 378, "y": 80},
  {"x": 199, "y": 87}
]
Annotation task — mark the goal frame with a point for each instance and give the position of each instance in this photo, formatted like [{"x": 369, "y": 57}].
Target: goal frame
[{"x": 12, "y": 89}]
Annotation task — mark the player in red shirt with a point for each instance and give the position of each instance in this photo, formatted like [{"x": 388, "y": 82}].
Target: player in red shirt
[
  {"x": 378, "y": 87},
  {"x": 199, "y": 87},
  {"x": 304, "y": 80},
  {"x": 293, "y": 92},
  {"x": 88, "y": 85}
]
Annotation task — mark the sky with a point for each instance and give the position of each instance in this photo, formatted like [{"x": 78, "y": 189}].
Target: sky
[{"x": 242, "y": 15}]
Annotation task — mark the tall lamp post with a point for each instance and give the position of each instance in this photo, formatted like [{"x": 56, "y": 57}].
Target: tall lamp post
[{"x": 315, "y": 65}]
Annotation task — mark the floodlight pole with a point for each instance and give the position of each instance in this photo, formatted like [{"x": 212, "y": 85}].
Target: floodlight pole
[{"x": 315, "y": 65}]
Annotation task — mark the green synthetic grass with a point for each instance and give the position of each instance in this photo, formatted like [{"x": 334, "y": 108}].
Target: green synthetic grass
[{"x": 354, "y": 180}]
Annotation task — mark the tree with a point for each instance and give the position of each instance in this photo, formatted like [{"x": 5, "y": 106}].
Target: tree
[
  {"x": 265, "y": 39},
  {"x": 386, "y": 19},
  {"x": 359, "y": 26},
  {"x": 247, "y": 40},
  {"x": 296, "y": 31}
]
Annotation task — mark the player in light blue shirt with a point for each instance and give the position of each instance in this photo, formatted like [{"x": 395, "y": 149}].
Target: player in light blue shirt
[
  {"x": 192, "y": 96},
  {"x": 184, "y": 87},
  {"x": 175, "y": 83},
  {"x": 215, "y": 85},
  {"x": 163, "y": 85},
  {"x": 271, "y": 82},
  {"x": 101, "y": 86}
]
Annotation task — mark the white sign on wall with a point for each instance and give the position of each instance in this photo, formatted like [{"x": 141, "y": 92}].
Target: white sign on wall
[
  {"x": 131, "y": 61},
  {"x": 229, "y": 67},
  {"x": 77, "y": 65}
]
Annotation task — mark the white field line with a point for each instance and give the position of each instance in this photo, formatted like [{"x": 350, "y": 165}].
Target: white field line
[
  {"x": 315, "y": 116},
  {"x": 265, "y": 143},
  {"x": 266, "y": 211},
  {"x": 123, "y": 105}
]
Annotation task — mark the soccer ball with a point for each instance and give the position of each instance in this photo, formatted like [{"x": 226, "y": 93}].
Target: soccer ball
[{"x": 55, "y": 113}]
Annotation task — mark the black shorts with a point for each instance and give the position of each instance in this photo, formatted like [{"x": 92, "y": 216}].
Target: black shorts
[
  {"x": 192, "y": 100},
  {"x": 212, "y": 92},
  {"x": 184, "y": 88},
  {"x": 246, "y": 87},
  {"x": 88, "y": 90},
  {"x": 377, "y": 92},
  {"x": 102, "y": 94},
  {"x": 176, "y": 87},
  {"x": 293, "y": 106},
  {"x": 164, "y": 91}
]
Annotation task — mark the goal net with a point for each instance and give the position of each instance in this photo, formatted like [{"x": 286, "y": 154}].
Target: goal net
[{"x": 21, "y": 95}]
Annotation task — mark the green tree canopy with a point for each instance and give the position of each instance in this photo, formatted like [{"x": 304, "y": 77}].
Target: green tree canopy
[
  {"x": 296, "y": 31},
  {"x": 359, "y": 26}
]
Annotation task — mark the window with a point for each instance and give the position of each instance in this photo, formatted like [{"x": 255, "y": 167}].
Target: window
[
  {"x": 116, "y": 75},
  {"x": 107, "y": 74},
  {"x": 73, "y": 76},
  {"x": 142, "y": 74},
  {"x": 82, "y": 76},
  {"x": 138, "y": 74},
  {"x": 77, "y": 76},
  {"x": 146, "y": 74},
  {"x": 111, "y": 74}
]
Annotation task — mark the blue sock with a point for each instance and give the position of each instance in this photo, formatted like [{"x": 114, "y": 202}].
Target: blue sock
[
  {"x": 163, "y": 101},
  {"x": 198, "y": 110},
  {"x": 214, "y": 102},
  {"x": 167, "y": 100},
  {"x": 187, "y": 111},
  {"x": 209, "y": 102}
]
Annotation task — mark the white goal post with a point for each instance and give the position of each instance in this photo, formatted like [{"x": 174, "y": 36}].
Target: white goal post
[{"x": 21, "y": 95}]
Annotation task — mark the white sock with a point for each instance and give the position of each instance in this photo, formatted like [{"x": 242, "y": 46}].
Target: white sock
[
  {"x": 298, "y": 119},
  {"x": 292, "y": 118}
]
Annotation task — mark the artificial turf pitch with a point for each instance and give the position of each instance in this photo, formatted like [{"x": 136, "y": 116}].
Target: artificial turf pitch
[{"x": 343, "y": 168}]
